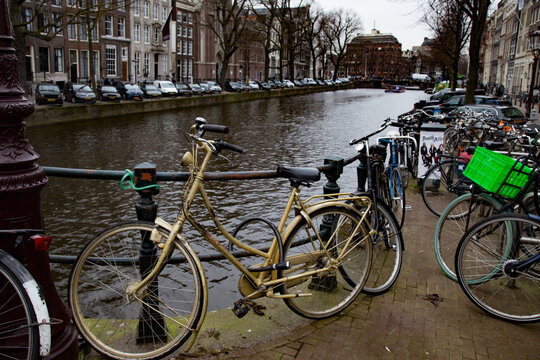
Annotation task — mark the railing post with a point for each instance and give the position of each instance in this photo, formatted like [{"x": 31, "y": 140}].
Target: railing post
[
  {"x": 151, "y": 324},
  {"x": 362, "y": 174},
  {"x": 331, "y": 186}
]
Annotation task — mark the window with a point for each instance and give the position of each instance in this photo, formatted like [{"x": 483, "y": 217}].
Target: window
[
  {"x": 124, "y": 53},
  {"x": 55, "y": 2},
  {"x": 58, "y": 60},
  {"x": 184, "y": 48},
  {"x": 137, "y": 63},
  {"x": 190, "y": 18},
  {"x": 146, "y": 64},
  {"x": 137, "y": 33},
  {"x": 121, "y": 5},
  {"x": 70, "y": 2},
  {"x": 155, "y": 11},
  {"x": 110, "y": 60},
  {"x": 95, "y": 59},
  {"x": 42, "y": 22},
  {"x": 27, "y": 18},
  {"x": 190, "y": 48},
  {"x": 121, "y": 27},
  {"x": 146, "y": 9},
  {"x": 94, "y": 29},
  {"x": 108, "y": 25},
  {"x": 179, "y": 47},
  {"x": 184, "y": 31},
  {"x": 136, "y": 5},
  {"x": 179, "y": 15},
  {"x": 72, "y": 29},
  {"x": 190, "y": 33},
  {"x": 84, "y": 64},
  {"x": 57, "y": 24},
  {"x": 83, "y": 29},
  {"x": 146, "y": 34},
  {"x": 184, "y": 17},
  {"x": 43, "y": 59},
  {"x": 157, "y": 33},
  {"x": 163, "y": 13}
]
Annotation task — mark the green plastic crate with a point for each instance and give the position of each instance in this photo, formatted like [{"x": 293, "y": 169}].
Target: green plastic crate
[{"x": 489, "y": 169}]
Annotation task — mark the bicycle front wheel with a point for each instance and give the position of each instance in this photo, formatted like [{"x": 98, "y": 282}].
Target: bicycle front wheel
[
  {"x": 387, "y": 250},
  {"x": 443, "y": 183},
  {"x": 149, "y": 325},
  {"x": 485, "y": 267},
  {"x": 397, "y": 196},
  {"x": 454, "y": 221},
  {"x": 335, "y": 239},
  {"x": 19, "y": 333}
]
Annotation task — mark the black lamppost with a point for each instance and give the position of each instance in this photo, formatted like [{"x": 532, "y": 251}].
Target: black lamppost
[{"x": 534, "y": 41}]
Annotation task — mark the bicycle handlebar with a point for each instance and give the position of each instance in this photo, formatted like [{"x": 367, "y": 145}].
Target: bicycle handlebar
[
  {"x": 213, "y": 128},
  {"x": 384, "y": 125},
  {"x": 222, "y": 145}
]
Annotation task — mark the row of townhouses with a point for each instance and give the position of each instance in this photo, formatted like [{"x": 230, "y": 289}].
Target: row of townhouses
[
  {"x": 509, "y": 46},
  {"x": 125, "y": 43}
]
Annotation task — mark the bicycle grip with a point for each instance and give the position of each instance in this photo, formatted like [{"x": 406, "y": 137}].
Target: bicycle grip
[
  {"x": 396, "y": 124},
  {"x": 226, "y": 146},
  {"x": 214, "y": 128}
]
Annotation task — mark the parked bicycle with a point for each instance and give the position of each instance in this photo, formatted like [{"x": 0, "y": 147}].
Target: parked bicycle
[
  {"x": 318, "y": 264},
  {"x": 25, "y": 331}
]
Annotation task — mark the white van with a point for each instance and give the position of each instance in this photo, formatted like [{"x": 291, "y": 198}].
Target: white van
[
  {"x": 420, "y": 77},
  {"x": 167, "y": 88}
]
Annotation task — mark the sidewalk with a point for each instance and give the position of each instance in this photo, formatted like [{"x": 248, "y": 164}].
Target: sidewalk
[{"x": 401, "y": 324}]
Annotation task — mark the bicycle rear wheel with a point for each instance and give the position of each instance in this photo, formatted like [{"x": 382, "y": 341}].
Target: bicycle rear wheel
[
  {"x": 335, "y": 238},
  {"x": 484, "y": 260},
  {"x": 443, "y": 183},
  {"x": 454, "y": 222},
  {"x": 19, "y": 333},
  {"x": 146, "y": 326}
]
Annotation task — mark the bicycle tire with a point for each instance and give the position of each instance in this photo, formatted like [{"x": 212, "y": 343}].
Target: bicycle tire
[
  {"x": 481, "y": 267},
  {"x": 387, "y": 250},
  {"x": 452, "y": 225},
  {"x": 437, "y": 191},
  {"x": 19, "y": 333},
  {"x": 331, "y": 292},
  {"x": 172, "y": 307},
  {"x": 397, "y": 196}
]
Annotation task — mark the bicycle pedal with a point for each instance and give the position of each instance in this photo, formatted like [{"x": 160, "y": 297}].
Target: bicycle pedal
[{"x": 240, "y": 308}]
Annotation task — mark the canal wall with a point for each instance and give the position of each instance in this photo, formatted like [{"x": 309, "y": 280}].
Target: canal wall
[{"x": 48, "y": 115}]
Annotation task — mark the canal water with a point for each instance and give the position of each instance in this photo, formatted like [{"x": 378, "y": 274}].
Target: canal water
[{"x": 297, "y": 131}]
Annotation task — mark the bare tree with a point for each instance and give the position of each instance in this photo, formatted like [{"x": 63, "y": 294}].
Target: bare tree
[
  {"x": 228, "y": 20},
  {"x": 313, "y": 32},
  {"x": 266, "y": 11},
  {"x": 451, "y": 27},
  {"x": 477, "y": 11},
  {"x": 340, "y": 28}
]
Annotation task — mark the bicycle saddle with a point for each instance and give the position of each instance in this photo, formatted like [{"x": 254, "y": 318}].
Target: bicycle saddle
[{"x": 299, "y": 173}]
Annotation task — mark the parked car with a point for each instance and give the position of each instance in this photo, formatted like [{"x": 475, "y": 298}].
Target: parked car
[
  {"x": 81, "y": 93},
  {"x": 214, "y": 86},
  {"x": 508, "y": 114},
  {"x": 320, "y": 82},
  {"x": 298, "y": 83},
  {"x": 233, "y": 86},
  {"x": 263, "y": 85},
  {"x": 328, "y": 82},
  {"x": 167, "y": 88},
  {"x": 130, "y": 91},
  {"x": 454, "y": 102},
  {"x": 253, "y": 85},
  {"x": 206, "y": 88},
  {"x": 196, "y": 89},
  {"x": 150, "y": 90},
  {"x": 108, "y": 93},
  {"x": 288, "y": 83},
  {"x": 308, "y": 82},
  {"x": 48, "y": 93},
  {"x": 279, "y": 84},
  {"x": 183, "y": 89}
]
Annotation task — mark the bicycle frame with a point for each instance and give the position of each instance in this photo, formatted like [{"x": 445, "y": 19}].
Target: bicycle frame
[
  {"x": 264, "y": 281},
  {"x": 394, "y": 158}
]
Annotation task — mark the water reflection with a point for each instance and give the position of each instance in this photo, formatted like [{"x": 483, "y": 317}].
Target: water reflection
[{"x": 298, "y": 131}]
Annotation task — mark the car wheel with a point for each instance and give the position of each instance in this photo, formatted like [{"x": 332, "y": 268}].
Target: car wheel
[{"x": 73, "y": 100}]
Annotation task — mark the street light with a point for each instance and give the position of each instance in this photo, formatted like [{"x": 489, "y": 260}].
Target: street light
[{"x": 534, "y": 41}]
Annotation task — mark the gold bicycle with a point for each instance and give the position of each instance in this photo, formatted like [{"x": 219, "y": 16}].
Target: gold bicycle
[{"x": 127, "y": 309}]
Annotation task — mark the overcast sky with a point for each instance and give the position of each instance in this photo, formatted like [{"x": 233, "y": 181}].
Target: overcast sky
[{"x": 397, "y": 17}]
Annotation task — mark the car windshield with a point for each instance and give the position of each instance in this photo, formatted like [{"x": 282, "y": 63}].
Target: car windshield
[
  {"x": 150, "y": 87},
  {"x": 168, "y": 85},
  {"x": 85, "y": 88},
  {"x": 132, "y": 87},
  {"x": 49, "y": 87},
  {"x": 513, "y": 113},
  {"x": 108, "y": 89},
  {"x": 181, "y": 86}
]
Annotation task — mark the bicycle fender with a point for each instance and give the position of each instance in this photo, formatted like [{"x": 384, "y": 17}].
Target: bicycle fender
[{"x": 36, "y": 298}]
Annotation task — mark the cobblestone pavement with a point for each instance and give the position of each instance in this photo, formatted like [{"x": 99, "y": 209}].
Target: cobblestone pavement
[{"x": 403, "y": 324}]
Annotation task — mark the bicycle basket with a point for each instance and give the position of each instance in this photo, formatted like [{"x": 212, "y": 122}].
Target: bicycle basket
[{"x": 497, "y": 173}]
